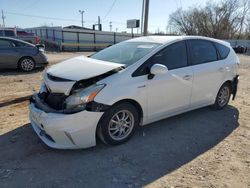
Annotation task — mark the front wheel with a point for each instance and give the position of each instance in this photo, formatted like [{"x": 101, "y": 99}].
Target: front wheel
[
  {"x": 27, "y": 64},
  {"x": 223, "y": 96},
  {"x": 118, "y": 124}
]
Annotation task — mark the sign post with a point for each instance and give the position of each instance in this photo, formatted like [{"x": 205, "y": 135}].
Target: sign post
[{"x": 133, "y": 24}]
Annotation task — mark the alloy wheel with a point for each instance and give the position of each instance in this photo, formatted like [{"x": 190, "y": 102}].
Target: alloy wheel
[{"x": 121, "y": 125}]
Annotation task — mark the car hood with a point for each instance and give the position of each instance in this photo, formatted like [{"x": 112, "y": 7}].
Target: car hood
[{"x": 80, "y": 68}]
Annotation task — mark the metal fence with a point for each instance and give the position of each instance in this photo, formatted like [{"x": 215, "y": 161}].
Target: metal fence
[{"x": 78, "y": 39}]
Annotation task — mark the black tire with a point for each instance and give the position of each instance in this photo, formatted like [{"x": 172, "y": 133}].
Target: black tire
[
  {"x": 26, "y": 64},
  {"x": 218, "y": 105},
  {"x": 104, "y": 132}
]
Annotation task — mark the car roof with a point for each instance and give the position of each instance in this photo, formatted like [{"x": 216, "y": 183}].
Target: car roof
[
  {"x": 169, "y": 39},
  {"x": 13, "y": 39}
]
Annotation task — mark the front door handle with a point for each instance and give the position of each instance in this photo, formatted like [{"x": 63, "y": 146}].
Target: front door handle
[{"x": 187, "y": 77}]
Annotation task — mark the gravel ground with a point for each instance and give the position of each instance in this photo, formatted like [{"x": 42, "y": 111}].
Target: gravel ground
[{"x": 202, "y": 148}]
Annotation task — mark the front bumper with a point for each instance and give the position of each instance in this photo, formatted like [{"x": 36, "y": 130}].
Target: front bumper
[{"x": 65, "y": 131}]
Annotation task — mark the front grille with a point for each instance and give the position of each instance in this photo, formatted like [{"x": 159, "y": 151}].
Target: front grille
[
  {"x": 55, "y": 100},
  {"x": 43, "y": 133}
]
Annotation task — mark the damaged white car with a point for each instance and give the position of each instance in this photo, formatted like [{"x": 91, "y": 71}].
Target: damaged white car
[{"x": 132, "y": 83}]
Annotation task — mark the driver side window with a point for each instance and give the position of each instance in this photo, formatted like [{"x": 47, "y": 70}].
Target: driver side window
[{"x": 173, "y": 56}]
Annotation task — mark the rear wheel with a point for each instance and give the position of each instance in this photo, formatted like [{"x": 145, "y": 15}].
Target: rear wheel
[
  {"x": 118, "y": 124},
  {"x": 27, "y": 64},
  {"x": 223, "y": 96}
]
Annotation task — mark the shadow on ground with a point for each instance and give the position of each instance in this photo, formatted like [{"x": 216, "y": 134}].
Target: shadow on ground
[
  {"x": 13, "y": 72},
  {"x": 154, "y": 151}
]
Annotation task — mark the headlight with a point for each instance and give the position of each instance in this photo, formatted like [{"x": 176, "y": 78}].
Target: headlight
[{"x": 77, "y": 101}]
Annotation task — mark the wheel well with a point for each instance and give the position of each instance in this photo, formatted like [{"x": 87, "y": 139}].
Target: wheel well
[
  {"x": 228, "y": 82},
  {"x": 131, "y": 101},
  {"x": 134, "y": 103},
  {"x": 23, "y": 58}
]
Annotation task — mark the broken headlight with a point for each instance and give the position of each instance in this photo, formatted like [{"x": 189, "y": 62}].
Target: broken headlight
[{"x": 78, "y": 100}]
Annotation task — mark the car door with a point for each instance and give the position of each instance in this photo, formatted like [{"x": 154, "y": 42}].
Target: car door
[
  {"x": 8, "y": 54},
  {"x": 208, "y": 72},
  {"x": 168, "y": 93}
]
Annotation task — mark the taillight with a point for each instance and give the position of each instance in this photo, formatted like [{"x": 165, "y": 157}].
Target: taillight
[{"x": 37, "y": 39}]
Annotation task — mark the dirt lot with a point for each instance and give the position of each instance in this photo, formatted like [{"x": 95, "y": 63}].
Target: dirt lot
[{"x": 202, "y": 148}]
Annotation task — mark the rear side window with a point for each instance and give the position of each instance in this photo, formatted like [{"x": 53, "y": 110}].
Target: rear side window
[
  {"x": 19, "y": 44},
  {"x": 5, "y": 44},
  {"x": 173, "y": 56},
  {"x": 223, "y": 50},
  {"x": 1, "y": 33},
  {"x": 202, "y": 51}
]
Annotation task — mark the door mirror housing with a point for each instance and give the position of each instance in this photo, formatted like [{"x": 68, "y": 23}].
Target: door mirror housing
[{"x": 158, "y": 69}]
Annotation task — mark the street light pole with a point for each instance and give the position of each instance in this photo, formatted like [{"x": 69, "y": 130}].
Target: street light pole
[{"x": 81, "y": 12}]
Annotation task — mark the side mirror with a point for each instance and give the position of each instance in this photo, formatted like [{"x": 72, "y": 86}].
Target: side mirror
[{"x": 157, "y": 69}]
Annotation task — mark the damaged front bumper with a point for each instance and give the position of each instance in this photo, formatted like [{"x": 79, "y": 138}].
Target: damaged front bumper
[{"x": 63, "y": 131}]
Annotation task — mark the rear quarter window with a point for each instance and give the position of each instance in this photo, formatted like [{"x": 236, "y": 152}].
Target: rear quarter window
[{"x": 223, "y": 50}]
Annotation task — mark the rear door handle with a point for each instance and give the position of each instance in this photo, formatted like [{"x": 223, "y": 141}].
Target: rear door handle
[{"x": 187, "y": 77}]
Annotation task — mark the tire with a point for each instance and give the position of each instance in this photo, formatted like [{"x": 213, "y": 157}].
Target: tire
[
  {"x": 26, "y": 64},
  {"x": 223, "y": 96},
  {"x": 118, "y": 124}
]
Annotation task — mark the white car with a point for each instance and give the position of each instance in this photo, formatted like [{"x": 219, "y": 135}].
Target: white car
[{"x": 135, "y": 82}]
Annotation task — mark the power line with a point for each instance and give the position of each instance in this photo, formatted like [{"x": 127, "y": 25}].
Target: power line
[
  {"x": 43, "y": 17},
  {"x": 109, "y": 9},
  {"x": 56, "y": 18},
  {"x": 31, "y": 5}
]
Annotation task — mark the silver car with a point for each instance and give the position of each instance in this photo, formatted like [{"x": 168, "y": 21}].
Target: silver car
[{"x": 16, "y": 53}]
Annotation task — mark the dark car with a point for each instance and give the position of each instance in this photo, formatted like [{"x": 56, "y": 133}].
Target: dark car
[
  {"x": 239, "y": 49},
  {"x": 16, "y": 53}
]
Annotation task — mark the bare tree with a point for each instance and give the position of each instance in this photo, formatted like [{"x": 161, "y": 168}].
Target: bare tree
[{"x": 219, "y": 20}]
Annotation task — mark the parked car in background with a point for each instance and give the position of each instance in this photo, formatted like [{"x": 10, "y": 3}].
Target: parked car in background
[
  {"x": 132, "y": 83},
  {"x": 240, "y": 49},
  {"x": 28, "y": 37},
  {"x": 6, "y": 32},
  {"x": 19, "y": 34},
  {"x": 15, "y": 53}
]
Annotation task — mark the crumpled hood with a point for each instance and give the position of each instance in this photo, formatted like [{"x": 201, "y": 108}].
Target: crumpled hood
[{"x": 81, "y": 67}]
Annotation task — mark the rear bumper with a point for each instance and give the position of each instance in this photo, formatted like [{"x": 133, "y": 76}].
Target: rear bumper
[
  {"x": 235, "y": 86},
  {"x": 41, "y": 60},
  {"x": 44, "y": 64}
]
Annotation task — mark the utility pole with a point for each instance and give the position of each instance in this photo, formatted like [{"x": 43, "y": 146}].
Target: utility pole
[
  {"x": 3, "y": 17},
  {"x": 110, "y": 26},
  {"x": 142, "y": 14},
  {"x": 145, "y": 16},
  {"x": 81, "y": 12},
  {"x": 99, "y": 24}
]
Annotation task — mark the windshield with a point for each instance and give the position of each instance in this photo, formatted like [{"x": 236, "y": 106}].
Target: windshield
[{"x": 125, "y": 52}]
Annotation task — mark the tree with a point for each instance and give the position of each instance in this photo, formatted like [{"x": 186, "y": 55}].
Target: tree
[{"x": 222, "y": 20}]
